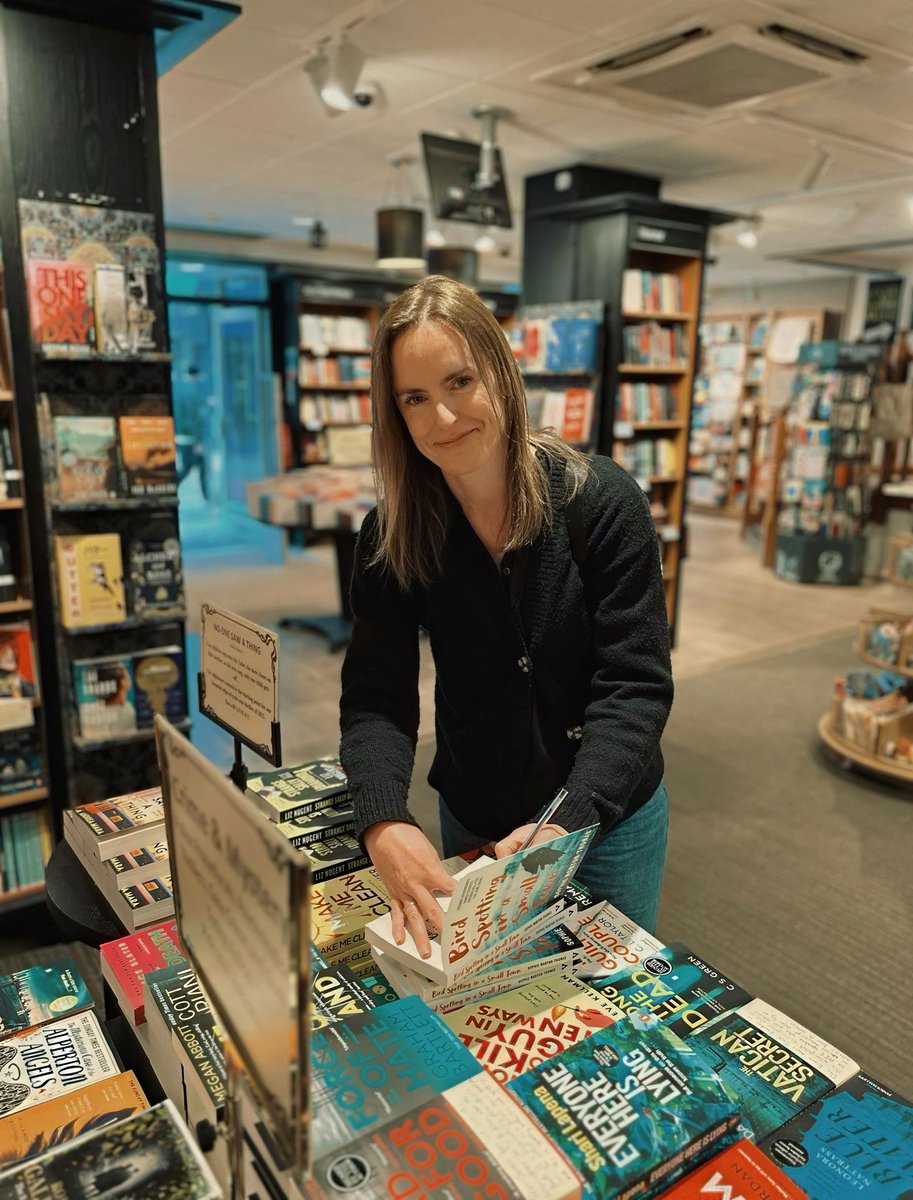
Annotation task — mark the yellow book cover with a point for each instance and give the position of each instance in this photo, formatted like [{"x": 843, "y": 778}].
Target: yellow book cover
[
  {"x": 33, "y": 1130},
  {"x": 517, "y": 1030},
  {"x": 90, "y": 574}
]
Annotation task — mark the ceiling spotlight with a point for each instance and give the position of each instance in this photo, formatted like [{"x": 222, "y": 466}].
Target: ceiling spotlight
[
  {"x": 334, "y": 72},
  {"x": 485, "y": 243},
  {"x": 434, "y": 238},
  {"x": 747, "y": 235}
]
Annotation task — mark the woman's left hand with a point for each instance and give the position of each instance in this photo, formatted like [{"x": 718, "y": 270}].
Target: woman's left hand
[{"x": 512, "y": 843}]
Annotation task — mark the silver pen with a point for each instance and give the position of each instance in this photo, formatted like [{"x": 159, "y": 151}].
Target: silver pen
[{"x": 560, "y": 797}]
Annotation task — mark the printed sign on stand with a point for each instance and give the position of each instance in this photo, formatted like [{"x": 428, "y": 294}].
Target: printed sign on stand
[
  {"x": 242, "y": 901},
  {"x": 239, "y": 680}
]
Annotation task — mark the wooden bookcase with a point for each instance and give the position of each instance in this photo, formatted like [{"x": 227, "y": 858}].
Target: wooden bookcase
[{"x": 32, "y": 796}]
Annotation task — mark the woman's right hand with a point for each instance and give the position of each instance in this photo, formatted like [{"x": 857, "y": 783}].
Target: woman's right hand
[{"x": 411, "y": 870}]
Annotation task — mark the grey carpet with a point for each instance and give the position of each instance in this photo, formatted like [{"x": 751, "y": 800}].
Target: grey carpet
[{"x": 791, "y": 875}]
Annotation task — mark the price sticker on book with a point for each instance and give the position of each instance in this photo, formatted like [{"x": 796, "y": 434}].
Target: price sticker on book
[
  {"x": 242, "y": 902},
  {"x": 239, "y": 679}
]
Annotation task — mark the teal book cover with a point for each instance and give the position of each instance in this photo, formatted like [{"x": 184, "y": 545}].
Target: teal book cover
[
  {"x": 856, "y": 1141},
  {"x": 39, "y": 994},
  {"x": 675, "y": 987},
  {"x": 627, "y": 1102},
  {"x": 774, "y": 1065},
  {"x": 371, "y": 1068}
]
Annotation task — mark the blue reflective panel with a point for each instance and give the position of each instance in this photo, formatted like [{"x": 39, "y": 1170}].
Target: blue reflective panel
[{"x": 214, "y": 279}]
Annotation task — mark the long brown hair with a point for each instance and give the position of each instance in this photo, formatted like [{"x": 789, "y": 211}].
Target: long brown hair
[{"x": 412, "y": 494}]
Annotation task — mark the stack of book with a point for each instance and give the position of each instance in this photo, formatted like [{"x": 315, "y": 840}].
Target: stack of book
[
  {"x": 121, "y": 843},
  {"x": 311, "y": 807}
]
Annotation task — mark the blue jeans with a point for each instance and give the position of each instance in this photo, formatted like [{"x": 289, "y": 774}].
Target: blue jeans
[{"x": 623, "y": 866}]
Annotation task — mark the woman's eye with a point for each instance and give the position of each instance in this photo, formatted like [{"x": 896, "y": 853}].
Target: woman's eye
[
  {"x": 462, "y": 381},
  {"x": 409, "y": 401}
]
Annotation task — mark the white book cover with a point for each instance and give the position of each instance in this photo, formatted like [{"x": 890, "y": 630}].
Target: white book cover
[
  {"x": 612, "y": 941},
  {"x": 824, "y": 1058},
  {"x": 490, "y": 910},
  {"x": 52, "y": 1060}
]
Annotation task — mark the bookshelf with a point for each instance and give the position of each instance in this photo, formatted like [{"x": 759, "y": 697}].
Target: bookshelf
[
  {"x": 25, "y": 814},
  {"x": 759, "y": 431},
  {"x": 92, "y": 380}
]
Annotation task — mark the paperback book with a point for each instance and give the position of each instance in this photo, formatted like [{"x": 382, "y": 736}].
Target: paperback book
[
  {"x": 773, "y": 1064},
  {"x": 127, "y": 961},
  {"x": 150, "y": 1155},
  {"x": 159, "y": 685},
  {"x": 108, "y": 827},
  {"x": 340, "y": 909},
  {"x": 493, "y": 902},
  {"x": 112, "y": 330},
  {"x": 739, "y": 1170},
  {"x": 148, "y": 455},
  {"x": 471, "y": 1141},
  {"x": 611, "y": 942},
  {"x": 374, "y": 1067},
  {"x": 33, "y": 1131},
  {"x": 156, "y": 576},
  {"x": 90, "y": 577},
  {"x": 60, "y": 305},
  {"x": 138, "y": 904},
  {"x": 18, "y": 680},
  {"x": 46, "y": 1062},
  {"x": 292, "y": 792},
  {"x": 185, "y": 1008},
  {"x": 675, "y": 987},
  {"x": 335, "y": 819},
  {"x": 518, "y": 1030},
  {"x": 632, "y": 1109},
  {"x": 136, "y": 866},
  {"x": 338, "y": 994},
  {"x": 36, "y": 995},
  {"x": 335, "y": 854},
  {"x": 86, "y": 453},
  {"x": 855, "y": 1141},
  {"x": 105, "y": 697},
  {"x": 21, "y": 761}
]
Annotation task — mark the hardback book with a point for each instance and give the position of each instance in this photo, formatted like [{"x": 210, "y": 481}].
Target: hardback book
[
  {"x": 86, "y": 452},
  {"x": 148, "y": 454},
  {"x": 292, "y": 792},
  {"x": 42, "y": 1063},
  {"x": 90, "y": 577},
  {"x": 335, "y": 854},
  {"x": 612, "y": 942},
  {"x": 36, "y": 995},
  {"x": 739, "y": 1170},
  {"x": 31, "y": 1132},
  {"x": 139, "y": 904},
  {"x": 159, "y": 685},
  {"x": 370, "y": 1068},
  {"x": 127, "y": 961},
  {"x": 156, "y": 576},
  {"x": 492, "y": 903},
  {"x": 60, "y": 305},
  {"x": 855, "y": 1141},
  {"x": 773, "y": 1064},
  {"x": 633, "y": 1108},
  {"x": 337, "y": 994},
  {"x": 135, "y": 866},
  {"x": 471, "y": 1141},
  {"x": 108, "y": 827},
  {"x": 18, "y": 679},
  {"x": 150, "y": 1154},
  {"x": 340, "y": 909},
  {"x": 676, "y": 987},
  {"x": 553, "y": 952},
  {"x": 333, "y": 819},
  {"x": 105, "y": 697},
  {"x": 514, "y": 1032},
  {"x": 21, "y": 761},
  {"x": 112, "y": 333}
]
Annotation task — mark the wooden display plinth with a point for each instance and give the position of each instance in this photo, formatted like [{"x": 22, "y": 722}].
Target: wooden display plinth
[{"x": 853, "y": 756}]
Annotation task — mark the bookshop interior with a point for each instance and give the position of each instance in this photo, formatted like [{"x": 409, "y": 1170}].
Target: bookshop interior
[{"x": 333, "y": 864}]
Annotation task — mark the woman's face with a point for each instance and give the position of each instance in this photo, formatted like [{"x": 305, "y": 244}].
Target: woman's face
[{"x": 444, "y": 400}]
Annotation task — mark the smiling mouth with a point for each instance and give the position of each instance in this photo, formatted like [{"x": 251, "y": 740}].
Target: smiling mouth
[{"x": 457, "y": 441}]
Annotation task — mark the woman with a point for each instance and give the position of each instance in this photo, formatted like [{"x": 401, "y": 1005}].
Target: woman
[{"x": 538, "y": 578}]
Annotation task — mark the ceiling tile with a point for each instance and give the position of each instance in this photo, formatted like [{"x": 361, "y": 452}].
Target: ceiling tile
[{"x": 242, "y": 53}]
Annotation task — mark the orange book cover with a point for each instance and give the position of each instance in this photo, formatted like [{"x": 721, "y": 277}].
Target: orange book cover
[
  {"x": 578, "y": 415},
  {"x": 33, "y": 1130},
  {"x": 148, "y": 453},
  {"x": 739, "y": 1170},
  {"x": 17, "y": 662}
]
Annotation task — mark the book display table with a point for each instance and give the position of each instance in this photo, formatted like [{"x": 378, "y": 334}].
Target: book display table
[
  {"x": 74, "y": 902},
  {"x": 325, "y": 501}
]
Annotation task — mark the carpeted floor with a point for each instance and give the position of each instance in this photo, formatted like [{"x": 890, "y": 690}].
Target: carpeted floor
[{"x": 791, "y": 875}]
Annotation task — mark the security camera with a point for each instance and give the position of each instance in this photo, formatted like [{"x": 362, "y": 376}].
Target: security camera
[
  {"x": 365, "y": 94},
  {"x": 319, "y": 235}
]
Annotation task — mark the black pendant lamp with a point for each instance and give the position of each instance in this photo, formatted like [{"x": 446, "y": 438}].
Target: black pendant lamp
[
  {"x": 456, "y": 262},
  {"x": 401, "y": 239}
]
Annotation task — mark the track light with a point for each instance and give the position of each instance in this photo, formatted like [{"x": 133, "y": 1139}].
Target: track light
[
  {"x": 435, "y": 239},
  {"x": 334, "y": 72},
  {"x": 747, "y": 236}
]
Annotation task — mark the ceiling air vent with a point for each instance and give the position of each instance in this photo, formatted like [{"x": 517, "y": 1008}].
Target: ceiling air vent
[{"x": 708, "y": 73}]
